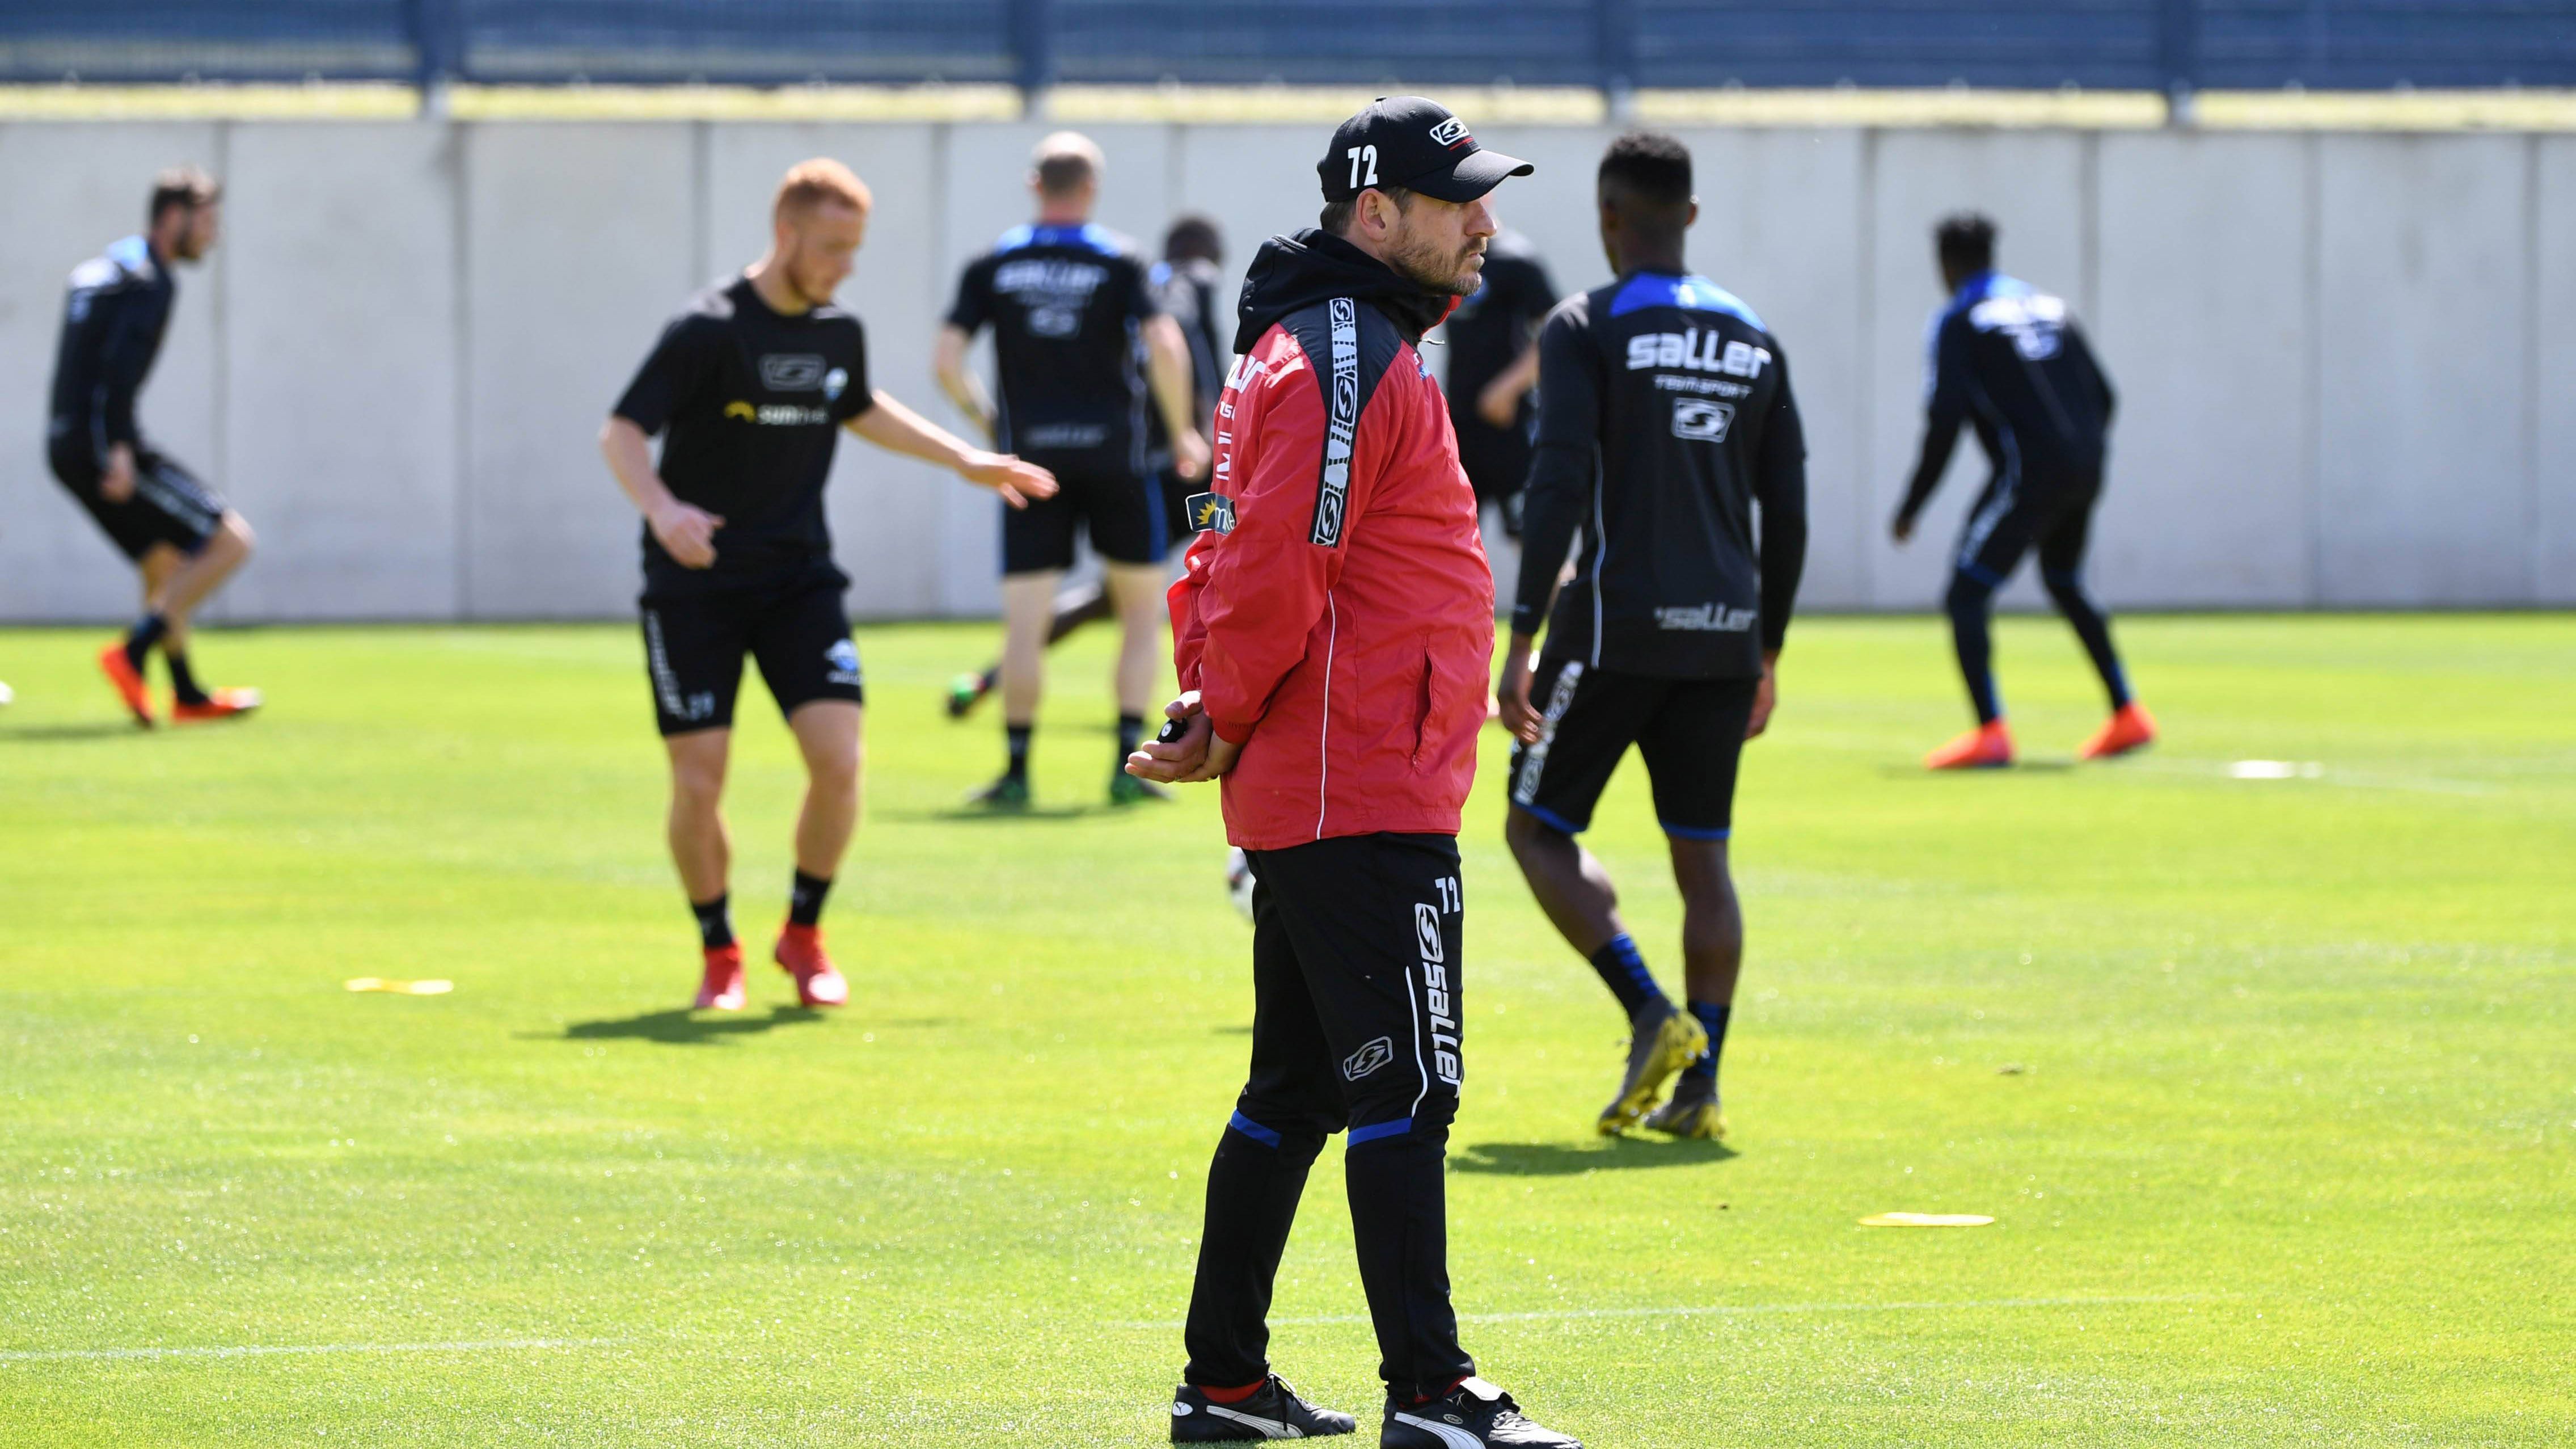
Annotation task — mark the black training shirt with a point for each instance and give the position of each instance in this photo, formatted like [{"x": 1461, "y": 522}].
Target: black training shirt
[
  {"x": 1492, "y": 324},
  {"x": 2010, "y": 359},
  {"x": 1664, "y": 416},
  {"x": 1186, "y": 292},
  {"x": 1065, "y": 304},
  {"x": 753, "y": 401},
  {"x": 114, "y": 313}
]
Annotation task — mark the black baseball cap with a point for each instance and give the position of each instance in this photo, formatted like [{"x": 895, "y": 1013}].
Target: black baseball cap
[{"x": 1414, "y": 143}]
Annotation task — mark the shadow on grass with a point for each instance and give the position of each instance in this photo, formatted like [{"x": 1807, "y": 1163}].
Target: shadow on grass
[
  {"x": 99, "y": 729},
  {"x": 1569, "y": 1159},
  {"x": 983, "y": 815},
  {"x": 682, "y": 1027},
  {"x": 2024, "y": 766}
]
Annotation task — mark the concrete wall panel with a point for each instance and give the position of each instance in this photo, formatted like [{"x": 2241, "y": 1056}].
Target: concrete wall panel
[
  {"x": 2202, "y": 327},
  {"x": 2553, "y": 487},
  {"x": 581, "y": 241},
  {"x": 72, "y": 189},
  {"x": 340, "y": 365},
  {"x": 884, "y": 508},
  {"x": 2422, "y": 343},
  {"x": 2034, "y": 185},
  {"x": 1780, "y": 226}
]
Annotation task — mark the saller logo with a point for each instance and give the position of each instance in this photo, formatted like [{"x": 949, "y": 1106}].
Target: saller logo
[
  {"x": 1700, "y": 420},
  {"x": 1450, "y": 132},
  {"x": 1333, "y": 489},
  {"x": 1436, "y": 997},
  {"x": 1368, "y": 1059},
  {"x": 791, "y": 371}
]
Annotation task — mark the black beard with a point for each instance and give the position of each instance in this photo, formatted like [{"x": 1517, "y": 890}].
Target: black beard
[{"x": 1435, "y": 273}]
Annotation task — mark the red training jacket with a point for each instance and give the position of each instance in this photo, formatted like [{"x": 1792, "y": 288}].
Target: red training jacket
[{"x": 1337, "y": 613}]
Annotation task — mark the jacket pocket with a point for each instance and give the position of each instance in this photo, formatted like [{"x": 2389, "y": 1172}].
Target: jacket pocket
[{"x": 1422, "y": 699}]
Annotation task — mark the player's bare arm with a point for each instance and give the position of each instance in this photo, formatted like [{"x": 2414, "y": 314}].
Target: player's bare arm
[
  {"x": 1168, "y": 362},
  {"x": 1500, "y": 402},
  {"x": 1765, "y": 695},
  {"x": 898, "y": 429},
  {"x": 686, "y": 531},
  {"x": 1512, "y": 689},
  {"x": 964, "y": 388}
]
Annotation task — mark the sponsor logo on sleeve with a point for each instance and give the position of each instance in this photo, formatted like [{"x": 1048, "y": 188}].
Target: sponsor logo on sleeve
[
  {"x": 1332, "y": 492},
  {"x": 1211, "y": 513}
]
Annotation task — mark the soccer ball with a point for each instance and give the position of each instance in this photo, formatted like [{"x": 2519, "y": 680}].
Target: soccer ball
[{"x": 1238, "y": 880}]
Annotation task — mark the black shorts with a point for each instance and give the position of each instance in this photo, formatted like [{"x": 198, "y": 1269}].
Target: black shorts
[
  {"x": 1355, "y": 980},
  {"x": 2014, "y": 514},
  {"x": 1122, "y": 511},
  {"x": 1691, "y": 732},
  {"x": 694, "y": 644},
  {"x": 170, "y": 504},
  {"x": 1497, "y": 460}
]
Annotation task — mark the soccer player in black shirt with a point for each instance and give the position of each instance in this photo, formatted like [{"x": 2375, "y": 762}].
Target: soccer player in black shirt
[
  {"x": 2011, "y": 359},
  {"x": 1493, "y": 364},
  {"x": 750, "y": 387},
  {"x": 182, "y": 536},
  {"x": 1079, "y": 342},
  {"x": 1665, "y": 416},
  {"x": 1185, "y": 284}
]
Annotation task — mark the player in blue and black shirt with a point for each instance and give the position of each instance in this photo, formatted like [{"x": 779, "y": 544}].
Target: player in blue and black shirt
[
  {"x": 2009, "y": 360},
  {"x": 1081, "y": 346},
  {"x": 1665, "y": 417},
  {"x": 182, "y": 536}
]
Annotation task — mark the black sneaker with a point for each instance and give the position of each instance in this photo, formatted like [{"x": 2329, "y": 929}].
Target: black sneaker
[
  {"x": 1476, "y": 1414},
  {"x": 1275, "y": 1412}
]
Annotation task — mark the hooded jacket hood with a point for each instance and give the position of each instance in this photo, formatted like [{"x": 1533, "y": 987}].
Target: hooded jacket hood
[{"x": 1293, "y": 272}]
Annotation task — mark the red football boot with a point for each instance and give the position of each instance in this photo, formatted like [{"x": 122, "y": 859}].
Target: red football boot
[
  {"x": 218, "y": 704},
  {"x": 721, "y": 989},
  {"x": 2131, "y": 728},
  {"x": 121, "y": 673},
  {"x": 1987, "y": 747},
  {"x": 800, "y": 954}
]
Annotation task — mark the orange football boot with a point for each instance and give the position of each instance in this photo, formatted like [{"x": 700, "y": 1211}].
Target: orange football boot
[
  {"x": 2130, "y": 728},
  {"x": 721, "y": 988},
  {"x": 128, "y": 683},
  {"x": 800, "y": 954},
  {"x": 1987, "y": 747},
  {"x": 218, "y": 704}
]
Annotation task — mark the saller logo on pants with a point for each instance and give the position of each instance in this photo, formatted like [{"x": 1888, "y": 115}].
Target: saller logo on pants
[{"x": 1435, "y": 992}]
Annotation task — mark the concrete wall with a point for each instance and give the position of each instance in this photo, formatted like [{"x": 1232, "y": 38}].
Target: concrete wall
[{"x": 2341, "y": 359}]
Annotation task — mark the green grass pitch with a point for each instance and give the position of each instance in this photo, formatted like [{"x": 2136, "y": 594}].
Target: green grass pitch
[{"x": 2270, "y": 1083}]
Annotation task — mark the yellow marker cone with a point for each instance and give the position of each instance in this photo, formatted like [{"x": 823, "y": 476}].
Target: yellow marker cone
[
  {"x": 1925, "y": 1220},
  {"x": 399, "y": 988}
]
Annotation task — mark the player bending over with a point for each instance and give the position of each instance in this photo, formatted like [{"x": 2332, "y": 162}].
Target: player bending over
[
  {"x": 1667, "y": 635},
  {"x": 1185, "y": 284},
  {"x": 1079, "y": 342},
  {"x": 2012, "y": 361},
  {"x": 751, "y": 384},
  {"x": 183, "y": 538}
]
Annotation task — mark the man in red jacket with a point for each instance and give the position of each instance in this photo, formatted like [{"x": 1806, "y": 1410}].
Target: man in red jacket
[{"x": 1332, "y": 633}]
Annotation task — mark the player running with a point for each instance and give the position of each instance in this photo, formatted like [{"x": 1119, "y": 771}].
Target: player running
[
  {"x": 2011, "y": 360},
  {"x": 749, "y": 387},
  {"x": 1185, "y": 285},
  {"x": 183, "y": 537},
  {"x": 1332, "y": 631},
  {"x": 1669, "y": 633},
  {"x": 1493, "y": 364},
  {"x": 1073, "y": 318}
]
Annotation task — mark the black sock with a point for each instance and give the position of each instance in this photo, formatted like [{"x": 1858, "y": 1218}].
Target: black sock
[
  {"x": 1714, "y": 1018},
  {"x": 805, "y": 899},
  {"x": 183, "y": 682},
  {"x": 1623, "y": 970},
  {"x": 139, "y": 640},
  {"x": 1131, "y": 733},
  {"x": 1019, "y": 738},
  {"x": 715, "y": 921}
]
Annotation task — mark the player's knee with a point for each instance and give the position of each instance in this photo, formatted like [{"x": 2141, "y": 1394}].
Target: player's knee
[
  {"x": 697, "y": 782},
  {"x": 1526, "y": 833},
  {"x": 2066, "y": 586},
  {"x": 237, "y": 532},
  {"x": 1296, "y": 1130},
  {"x": 1967, "y": 596}
]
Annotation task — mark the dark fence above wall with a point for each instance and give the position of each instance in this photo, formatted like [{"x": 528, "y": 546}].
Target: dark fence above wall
[{"x": 1614, "y": 44}]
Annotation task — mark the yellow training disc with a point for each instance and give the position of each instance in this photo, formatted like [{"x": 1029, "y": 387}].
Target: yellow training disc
[
  {"x": 399, "y": 988},
  {"x": 1925, "y": 1220}
]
